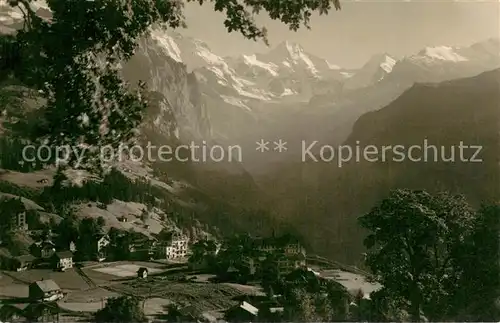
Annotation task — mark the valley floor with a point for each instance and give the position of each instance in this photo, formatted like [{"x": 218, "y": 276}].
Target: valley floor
[{"x": 87, "y": 289}]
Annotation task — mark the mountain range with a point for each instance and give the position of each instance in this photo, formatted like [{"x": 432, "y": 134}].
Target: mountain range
[{"x": 287, "y": 89}]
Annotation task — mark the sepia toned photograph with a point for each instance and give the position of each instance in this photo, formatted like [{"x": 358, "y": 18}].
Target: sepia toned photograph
[{"x": 234, "y": 161}]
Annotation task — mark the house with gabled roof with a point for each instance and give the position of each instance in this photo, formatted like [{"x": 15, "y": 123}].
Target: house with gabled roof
[
  {"x": 142, "y": 272},
  {"x": 45, "y": 291},
  {"x": 23, "y": 262},
  {"x": 62, "y": 260},
  {"x": 43, "y": 249},
  {"x": 244, "y": 312},
  {"x": 142, "y": 247},
  {"x": 15, "y": 263},
  {"x": 286, "y": 244}
]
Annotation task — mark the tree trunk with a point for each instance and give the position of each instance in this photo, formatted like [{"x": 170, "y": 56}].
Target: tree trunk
[{"x": 415, "y": 303}]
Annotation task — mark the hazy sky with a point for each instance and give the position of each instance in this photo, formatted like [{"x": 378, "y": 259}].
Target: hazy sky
[{"x": 351, "y": 36}]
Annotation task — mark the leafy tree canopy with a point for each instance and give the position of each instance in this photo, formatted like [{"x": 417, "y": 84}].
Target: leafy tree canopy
[
  {"x": 415, "y": 242},
  {"x": 73, "y": 60},
  {"x": 478, "y": 294},
  {"x": 121, "y": 309}
]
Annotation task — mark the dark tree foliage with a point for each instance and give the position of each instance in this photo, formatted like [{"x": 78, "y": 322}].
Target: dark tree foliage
[
  {"x": 174, "y": 315},
  {"x": 435, "y": 257},
  {"x": 88, "y": 232},
  {"x": 203, "y": 251},
  {"x": 9, "y": 207},
  {"x": 11, "y": 188},
  {"x": 121, "y": 309},
  {"x": 73, "y": 60},
  {"x": 309, "y": 298},
  {"x": 16, "y": 155},
  {"x": 67, "y": 231},
  {"x": 478, "y": 295},
  {"x": 115, "y": 185}
]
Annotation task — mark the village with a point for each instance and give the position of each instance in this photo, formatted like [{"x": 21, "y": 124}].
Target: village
[{"x": 204, "y": 280}]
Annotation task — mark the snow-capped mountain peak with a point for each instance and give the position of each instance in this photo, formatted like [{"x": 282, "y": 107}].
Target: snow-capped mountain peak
[
  {"x": 444, "y": 62},
  {"x": 388, "y": 63},
  {"x": 252, "y": 60},
  {"x": 443, "y": 53},
  {"x": 192, "y": 52},
  {"x": 291, "y": 55},
  {"x": 293, "y": 49},
  {"x": 332, "y": 66},
  {"x": 297, "y": 55},
  {"x": 373, "y": 71},
  {"x": 208, "y": 56},
  {"x": 168, "y": 43}
]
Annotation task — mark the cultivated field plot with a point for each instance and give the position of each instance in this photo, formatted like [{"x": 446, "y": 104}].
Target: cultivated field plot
[
  {"x": 32, "y": 180},
  {"x": 350, "y": 281},
  {"x": 156, "y": 306},
  {"x": 204, "y": 296},
  {"x": 247, "y": 289},
  {"x": 127, "y": 270},
  {"x": 14, "y": 291},
  {"x": 69, "y": 280},
  {"x": 93, "y": 295}
]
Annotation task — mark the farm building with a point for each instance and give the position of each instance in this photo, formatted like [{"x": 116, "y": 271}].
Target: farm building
[
  {"x": 63, "y": 260},
  {"x": 16, "y": 263},
  {"x": 142, "y": 272},
  {"x": 43, "y": 249},
  {"x": 244, "y": 312},
  {"x": 45, "y": 291}
]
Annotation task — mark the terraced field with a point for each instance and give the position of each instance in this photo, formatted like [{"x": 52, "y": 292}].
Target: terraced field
[{"x": 203, "y": 296}]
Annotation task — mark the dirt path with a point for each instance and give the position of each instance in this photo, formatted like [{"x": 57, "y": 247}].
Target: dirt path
[{"x": 85, "y": 277}]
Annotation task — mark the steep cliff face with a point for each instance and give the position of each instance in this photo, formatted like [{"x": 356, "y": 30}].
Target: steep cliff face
[{"x": 175, "y": 90}]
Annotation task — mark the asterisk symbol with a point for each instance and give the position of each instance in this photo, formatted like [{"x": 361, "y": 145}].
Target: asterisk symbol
[
  {"x": 280, "y": 146},
  {"x": 262, "y": 145}
]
